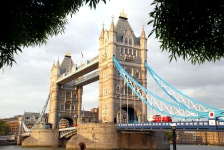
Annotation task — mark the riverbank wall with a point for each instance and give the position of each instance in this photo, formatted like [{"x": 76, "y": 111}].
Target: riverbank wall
[{"x": 7, "y": 143}]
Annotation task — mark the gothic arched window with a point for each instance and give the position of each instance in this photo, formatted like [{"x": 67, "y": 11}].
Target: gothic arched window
[
  {"x": 126, "y": 40},
  {"x": 134, "y": 52},
  {"x": 130, "y": 41},
  {"x": 118, "y": 90},
  {"x": 137, "y": 75},
  {"x": 126, "y": 50}
]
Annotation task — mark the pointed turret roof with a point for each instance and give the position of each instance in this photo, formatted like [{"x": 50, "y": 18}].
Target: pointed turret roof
[
  {"x": 67, "y": 62},
  {"x": 143, "y": 32},
  {"x": 112, "y": 25},
  {"x": 53, "y": 65},
  {"x": 102, "y": 32},
  {"x": 122, "y": 26},
  {"x": 58, "y": 63}
]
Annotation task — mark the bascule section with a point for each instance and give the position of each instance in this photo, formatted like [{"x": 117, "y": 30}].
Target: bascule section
[{"x": 117, "y": 102}]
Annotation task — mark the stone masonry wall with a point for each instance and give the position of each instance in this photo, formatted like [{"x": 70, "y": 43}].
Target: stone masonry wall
[
  {"x": 42, "y": 137},
  {"x": 95, "y": 136},
  {"x": 105, "y": 136}
]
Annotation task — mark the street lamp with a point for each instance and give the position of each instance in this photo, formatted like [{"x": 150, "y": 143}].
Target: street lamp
[{"x": 173, "y": 127}]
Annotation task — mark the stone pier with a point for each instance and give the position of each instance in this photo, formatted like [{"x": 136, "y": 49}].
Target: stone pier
[
  {"x": 105, "y": 136},
  {"x": 42, "y": 138}
]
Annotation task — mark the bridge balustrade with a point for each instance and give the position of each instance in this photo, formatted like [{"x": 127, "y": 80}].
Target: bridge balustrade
[
  {"x": 202, "y": 125},
  {"x": 84, "y": 78},
  {"x": 67, "y": 132}
]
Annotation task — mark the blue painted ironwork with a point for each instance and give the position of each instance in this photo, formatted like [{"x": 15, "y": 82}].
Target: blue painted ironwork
[
  {"x": 159, "y": 104},
  {"x": 185, "y": 100}
]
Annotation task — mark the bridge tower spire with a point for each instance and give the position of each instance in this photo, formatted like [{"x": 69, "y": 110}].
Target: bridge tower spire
[{"x": 131, "y": 51}]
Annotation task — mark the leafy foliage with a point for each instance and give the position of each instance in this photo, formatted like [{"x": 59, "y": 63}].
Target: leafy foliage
[
  {"x": 30, "y": 23},
  {"x": 169, "y": 135},
  {"x": 4, "y": 128},
  {"x": 192, "y": 29}
]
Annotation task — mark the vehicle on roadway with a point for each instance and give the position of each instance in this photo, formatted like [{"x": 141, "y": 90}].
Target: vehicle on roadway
[{"x": 159, "y": 118}]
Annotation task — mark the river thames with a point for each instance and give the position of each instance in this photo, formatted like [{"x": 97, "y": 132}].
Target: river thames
[{"x": 179, "y": 147}]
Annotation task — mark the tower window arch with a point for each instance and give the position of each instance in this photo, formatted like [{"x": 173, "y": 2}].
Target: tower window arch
[
  {"x": 130, "y": 51},
  {"x": 67, "y": 106},
  {"x": 126, "y": 40},
  {"x": 127, "y": 89},
  {"x": 68, "y": 94},
  {"x": 118, "y": 90},
  {"x": 134, "y": 52},
  {"x": 137, "y": 75},
  {"x": 130, "y": 41},
  {"x": 126, "y": 50},
  {"x": 61, "y": 94},
  {"x": 121, "y": 50}
]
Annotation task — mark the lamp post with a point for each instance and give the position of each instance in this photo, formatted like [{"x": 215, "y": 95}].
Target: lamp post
[{"x": 173, "y": 127}]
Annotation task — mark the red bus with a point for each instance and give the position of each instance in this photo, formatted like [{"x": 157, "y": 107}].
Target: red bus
[{"x": 158, "y": 118}]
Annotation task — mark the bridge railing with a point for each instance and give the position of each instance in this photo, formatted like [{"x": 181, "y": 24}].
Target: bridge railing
[
  {"x": 93, "y": 60},
  {"x": 197, "y": 125},
  {"x": 84, "y": 78},
  {"x": 67, "y": 132}
]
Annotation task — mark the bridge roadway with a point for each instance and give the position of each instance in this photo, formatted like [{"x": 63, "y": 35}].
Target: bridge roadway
[
  {"x": 153, "y": 126},
  {"x": 67, "y": 132},
  {"x": 187, "y": 126},
  {"x": 150, "y": 126},
  {"x": 78, "y": 73}
]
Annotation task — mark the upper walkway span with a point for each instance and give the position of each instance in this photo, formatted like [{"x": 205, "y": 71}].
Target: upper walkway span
[{"x": 80, "y": 71}]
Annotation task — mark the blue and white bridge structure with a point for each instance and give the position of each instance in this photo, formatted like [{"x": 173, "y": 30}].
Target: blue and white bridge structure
[{"x": 178, "y": 105}]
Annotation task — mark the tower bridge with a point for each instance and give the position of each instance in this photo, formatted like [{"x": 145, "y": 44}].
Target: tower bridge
[
  {"x": 121, "y": 70},
  {"x": 68, "y": 79}
]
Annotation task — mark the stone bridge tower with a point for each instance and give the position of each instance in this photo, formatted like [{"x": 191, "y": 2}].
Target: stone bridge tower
[
  {"x": 65, "y": 100},
  {"x": 117, "y": 103}
]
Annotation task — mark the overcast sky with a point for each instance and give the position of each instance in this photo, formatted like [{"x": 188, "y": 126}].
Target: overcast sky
[{"x": 25, "y": 86}]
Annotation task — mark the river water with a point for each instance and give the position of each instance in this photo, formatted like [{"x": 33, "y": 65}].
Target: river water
[{"x": 179, "y": 147}]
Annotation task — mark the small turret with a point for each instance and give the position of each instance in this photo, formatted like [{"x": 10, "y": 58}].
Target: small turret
[
  {"x": 112, "y": 29},
  {"x": 112, "y": 32},
  {"x": 143, "y": 44},
  {"x": 53, "y": 65},
  {"x": 58, "y": 63},
  {"x": 143, "y": 33},
  {"x": 101, "y": 36}
]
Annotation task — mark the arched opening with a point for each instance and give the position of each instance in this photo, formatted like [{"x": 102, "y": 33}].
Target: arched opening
[
  {"x": 127, "y": 115},
  {"x": 65, "y": 123}
]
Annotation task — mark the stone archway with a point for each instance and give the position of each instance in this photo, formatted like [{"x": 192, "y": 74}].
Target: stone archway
[
  {"x": 127, "y": 114},
  {"x": 65, "y": 122}
]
